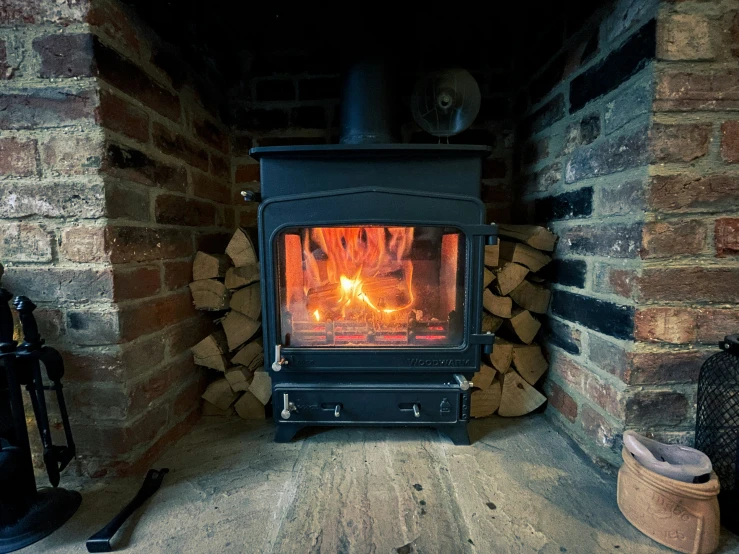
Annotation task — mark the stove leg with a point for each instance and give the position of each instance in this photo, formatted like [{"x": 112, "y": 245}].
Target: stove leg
[
  {"x": 286, "y": 431},
  {"x": 458, "y": 434}
]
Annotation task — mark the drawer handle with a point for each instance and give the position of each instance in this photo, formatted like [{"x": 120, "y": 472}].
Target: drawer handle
[
  {"x": 337, "y": 410},
  {"x": 417, "y": 410}
]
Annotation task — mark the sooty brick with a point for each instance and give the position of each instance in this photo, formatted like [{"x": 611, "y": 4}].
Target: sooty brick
[
  {"x": 599, "y": 315},
  {"x": 570, "y": 273},
  {"x": 569, "y": 205}
]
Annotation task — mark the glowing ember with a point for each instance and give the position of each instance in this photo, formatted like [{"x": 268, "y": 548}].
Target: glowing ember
[{"x": 317, "y": 315}]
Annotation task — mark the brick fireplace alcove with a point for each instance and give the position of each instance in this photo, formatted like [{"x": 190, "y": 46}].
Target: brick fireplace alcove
[{"x": 124, "y": 138}]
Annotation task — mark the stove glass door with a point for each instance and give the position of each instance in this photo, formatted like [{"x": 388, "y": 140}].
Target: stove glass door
[{"x": 371, "y": 286}]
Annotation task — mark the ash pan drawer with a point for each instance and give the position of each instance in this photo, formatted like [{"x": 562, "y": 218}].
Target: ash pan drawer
[{"x": 367, "y": 405}]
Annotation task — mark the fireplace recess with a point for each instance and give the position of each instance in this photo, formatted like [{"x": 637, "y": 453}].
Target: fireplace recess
[{"x": 372, "y": 258}]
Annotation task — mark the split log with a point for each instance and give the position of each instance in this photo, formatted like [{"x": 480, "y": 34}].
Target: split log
[
  {"x": 238, "y": 329},
  {"x": 502, "y": 355},
  {"x": 533, "y": 235},
  {"x": 209, "y": 295},
  {"x": 251, "y": 356},
  {"x": 261, "y": 386},
  {"x": 491, "y": 255},
  {"x": 241, "y": 250},
  {"x": 209, "y": 266},
  {"x": 219, "y": 394},
  {"x": 248, "y": 407},
  {"x": 487, "y": 278},
  {"x": 518, "y": 397},
  {"x": 237, "y": 277},
  {"x": 523, "y": 254},
  {"x": 210, "y": 352},
  {"x": 214, "y": 411},
  {"x": 491, "y": 323},
  {"x": 497, "y": 305},
  {"x": 529, "y": 362},
  {"x": 248, "y": 301},
  {"x": 524, "y": 325},
  {"x": 484, "y": 402},
  {"x": 531, "y": 297},
  {"x": 483, "y": 378},
  {"x": 239, "y": 378},
  {"x": 509, "y": 276}
]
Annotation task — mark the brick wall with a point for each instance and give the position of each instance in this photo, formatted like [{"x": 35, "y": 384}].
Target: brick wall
[
  {"x": 118, "y": 169},
  {"x": 624, "y": 148}
]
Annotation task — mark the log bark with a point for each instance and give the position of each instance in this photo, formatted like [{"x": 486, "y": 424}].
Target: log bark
[
  {"x": 518, "y": 397},
  {"x": 523, "y": 254},
  {"x": 209, "y": 295},
  {"x": 483, "y": 378},
  {"x": 497, "y": 305},
  {"x": 210, "y": 352},
  {"x": 529, "y": 362},
  {"x": 509, "y": 276},
  {"x": 209, "y": 266},
  {"x": 261, "y": 386},
  {"x": 502, "y": 355},
  {"x": 250, "y": 356},
  {"x": 248, "y": 301},
  {"x": 524, "y": 325},
  {"x": 241, "y": 250},
  {"x": 219, "y": 394},
  {"x": 248, "y": 407},
  {"x": 238, "y": 329},
  {"x": 484, "y": 403},
  {"x": 531, "y": 297},
  {"x": 237, "y": 277},
  {"x": 533, "y": 235}
]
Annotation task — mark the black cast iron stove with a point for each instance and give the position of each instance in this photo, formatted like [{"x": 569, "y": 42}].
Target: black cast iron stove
[
  {"x": 372, "y": 276},
  {"x": 372, "y": 261}
]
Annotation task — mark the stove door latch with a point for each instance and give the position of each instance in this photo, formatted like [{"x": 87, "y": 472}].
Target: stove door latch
[
  {"x": 487, "y": 340},
  {"x": 279, "y": 360}
]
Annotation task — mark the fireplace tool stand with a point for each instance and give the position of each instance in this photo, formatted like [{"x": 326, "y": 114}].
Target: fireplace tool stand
[{"x": 28, "y": 514}]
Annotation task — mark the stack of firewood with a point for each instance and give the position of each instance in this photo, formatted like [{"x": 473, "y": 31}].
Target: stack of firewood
[
  {"x": 228, "y": 285},
  {"x": 514, "y": 297}
]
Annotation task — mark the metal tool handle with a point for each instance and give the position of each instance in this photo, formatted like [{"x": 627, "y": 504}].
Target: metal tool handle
[
  {"x": 100, "y": 541},
  {"x": 464, "y": 384}
]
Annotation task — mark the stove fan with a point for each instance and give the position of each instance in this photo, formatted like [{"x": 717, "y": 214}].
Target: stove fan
[{"x": 446, "y": 102}]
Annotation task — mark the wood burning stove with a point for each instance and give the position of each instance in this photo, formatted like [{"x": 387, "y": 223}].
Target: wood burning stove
[{"x": 372, "y": 261}]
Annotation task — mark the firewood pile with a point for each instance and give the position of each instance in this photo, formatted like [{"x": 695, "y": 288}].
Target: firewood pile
[
  {"x": 228, "y": 285},
  {"x": 514, "y": 297}
]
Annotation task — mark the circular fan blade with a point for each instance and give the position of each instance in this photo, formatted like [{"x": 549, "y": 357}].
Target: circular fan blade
[{"x": 445, "y": 103}]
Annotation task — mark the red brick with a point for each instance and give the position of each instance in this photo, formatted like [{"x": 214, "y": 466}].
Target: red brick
[
  {"x": 247, "y": 173},
  {"x": 730, "y": 141},
  {"x": 188, "y": 333},
  {"x": 65, "y": 55},
  {"x": 155, "y": 314},
  {"x": 684, "y": 37},
  {"x": 679, "y": 143},
  {"x": 126, "y": 202},
  {"x": 210, "y": 133},
  {"x": 673, "y": 325},
  {"x": 701, "y": 284},
  {"x": 71, "y": 155},
  {"x": 220, "y": 167},
  {"x": 248, "y": 217},
  {"x": 664, "y": 240},
  {"x": 726, "y": 237},
  {"x": 164, "y": 380},
  {"x": 587, "y": 384},
  {"x": 205, "y": 186},
  {"x": 688, "y": 91},
  {"x": 114, "y": 22},
  {"x": 613, "y": 280},
  {"x": 129, "y": 78},
  {"x": 178, "y": 210},
  {"x": 84, "y": 244},
  {"x": 139, "y": 282},
  {"x": 658, "y": 368},
  {"x": 715, "y": 324},
  {"x": 598, "y": 427},
  {"x": 18, "y": 12},
  {"x": 655, "y": 408},
  {"x": 93, "y": 366},
  {"x": 24, "y": 242},
  {"x": 85, "y": 402},
  {"x": 685, "y": 192},
  {"x": 562, "y": 402},
  {"x": 229, "y": 217},
  {"x": 44, "y": 108},
  {"x": 189, "y": 397},
  {"x": 131, "y": 164},
  {"x": 177, "y": 274},
  {"x": 17, "y": 157},
  {"x": 120, "y": 116},
  {"x": 139, "y": 244},
  {"x": 169, "y": 142}
]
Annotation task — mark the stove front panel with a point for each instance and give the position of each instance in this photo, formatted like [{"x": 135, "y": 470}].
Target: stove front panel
[{"x": 373, "y": 280}]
